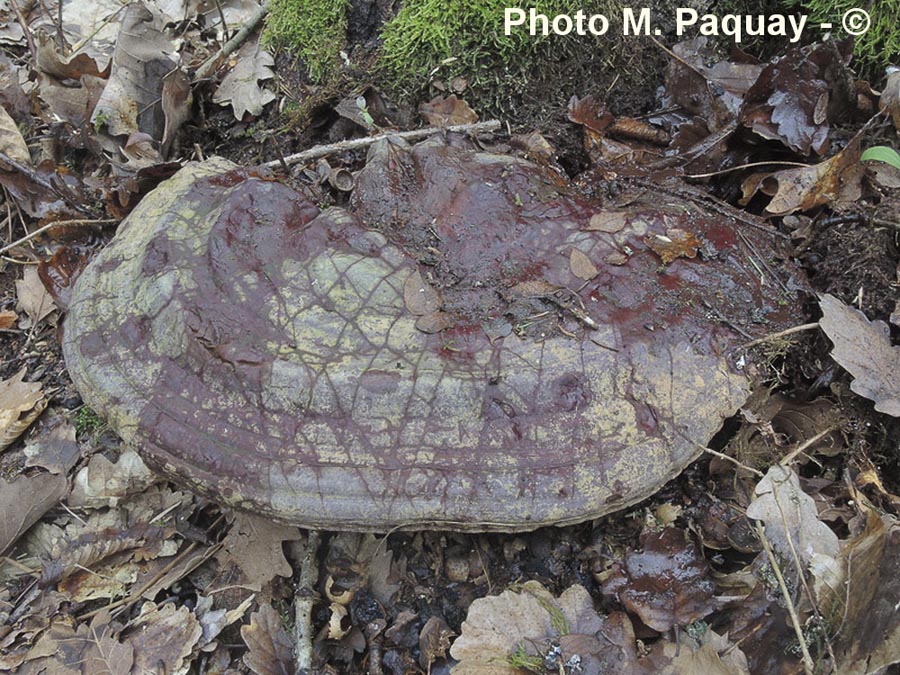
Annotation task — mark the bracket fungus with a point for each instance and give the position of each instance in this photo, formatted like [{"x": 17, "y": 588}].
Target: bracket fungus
[{"x": 470, "y": 345}]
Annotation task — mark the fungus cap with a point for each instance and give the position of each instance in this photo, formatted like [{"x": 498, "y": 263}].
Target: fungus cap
[{"x": 438, "y": 355}]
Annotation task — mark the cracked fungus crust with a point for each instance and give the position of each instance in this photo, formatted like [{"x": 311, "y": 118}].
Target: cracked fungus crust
[{"x": 436, "y": 370}]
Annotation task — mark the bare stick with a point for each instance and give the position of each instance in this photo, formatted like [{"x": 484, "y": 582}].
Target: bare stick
[
  {"x": 304, "y": 599},
  {"x": 781, "y": 334},
  {"x": 56, "y": 223},
  {"x": 356, "y": 143},
  {"x": 207, "y": 67},
  {"x": 808, "y": 665},
  {"x": 805, "y": 445}
]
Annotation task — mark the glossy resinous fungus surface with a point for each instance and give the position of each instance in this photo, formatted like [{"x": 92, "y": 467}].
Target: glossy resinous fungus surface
[{"x": 440, "y": 354}]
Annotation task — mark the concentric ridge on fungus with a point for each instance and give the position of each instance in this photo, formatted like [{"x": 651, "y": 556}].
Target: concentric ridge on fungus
[{"x": 445, "y": 368}]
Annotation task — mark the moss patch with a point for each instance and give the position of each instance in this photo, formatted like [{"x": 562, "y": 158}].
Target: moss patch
[
  {"x": 876, "y": 49},
  {"x": 315, "y": 30}
]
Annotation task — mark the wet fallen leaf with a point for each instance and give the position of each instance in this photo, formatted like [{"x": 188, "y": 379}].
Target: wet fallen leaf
[
  {"x": 590, "y": 113},
  {"x": 676, "y": 243},
  {"x": 105, "y": 483},
  {"x": 791, "y": 521},
  {"x": 241, "y": 88},
  {"x": 864, "y": 349},
  {"x": 24, "y": 500},
  {"x": 269, "y": 649},
  {"x": 11, "y": 142},
  {"x": 797, "y": 96},
  {"x": 667, "y": 584},
  {"x": 581, "y": 265},
  {"x": 254, "y": 545},
  {"x": 20, "y": 404},
  {"x": 448, "y": 111},
  {"x": 33, "y": 297}
]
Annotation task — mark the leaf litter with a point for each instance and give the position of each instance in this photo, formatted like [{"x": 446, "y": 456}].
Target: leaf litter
[{"x": 404, "y": 597}]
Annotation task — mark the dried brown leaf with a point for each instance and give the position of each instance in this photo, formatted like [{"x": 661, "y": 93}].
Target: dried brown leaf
[
  {"x": 241, "y": 88},
  {"x": 24, "y": 500},
  {"x": 890, "y": 98},
  {"x": 791, "y": 520},
  {"x": 269, "y": 648},
  {"x": 12, "y": 144},
  {"x": 33, "y": 297},
  {"x": 531, "y": 619},
  {"x": 581, "y": 265},
  {"x": 163, "y": 638},
  {"x": 676, "y": 243},
  {"x": 254, "y": 545},
  {"x": 20, "y": 404},
  {"x": 607, "y": 221},
  {"x": 869, "y": 635},
  {"x": 590, "y": 113},
  {"x": 420, "y": 297},
  {"x": 8, "y": 319},
  {"x": 177, "y": 97},
  {"x": 836, "y": 180},
  {"x": 105, "y": 483},
  {"x": 434, "y": 641},
  {"x": 864, "y": 349},
  {"x": 131, "y": 100},
  {"x": 54, "y": 449},
  {"x": 448, "y": 111}
]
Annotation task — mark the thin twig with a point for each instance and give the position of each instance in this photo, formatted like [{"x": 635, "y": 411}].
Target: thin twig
[
  {"x": 356, "y": 143},
  {"x": 304, "y": 599},
  {"x": 780, "y": 334},
  {"x": 788, "y": 458},
  {"x": 56, "y": 223},
  {"x": 29, "y": 38},
  {"x": 722, "y": 455},
  {"x": 209, "y": 66},
  {"x": 808, "y": 665}
]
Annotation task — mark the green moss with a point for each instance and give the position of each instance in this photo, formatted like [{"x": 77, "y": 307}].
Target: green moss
[
  {"x": 468, "y": 35},
  {"x": 876, "y": 49},
  {"x": 314, "y": 30}
]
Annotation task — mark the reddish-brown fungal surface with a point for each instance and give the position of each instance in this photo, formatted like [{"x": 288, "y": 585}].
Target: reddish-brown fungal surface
[{"x": 432, "y": 357}]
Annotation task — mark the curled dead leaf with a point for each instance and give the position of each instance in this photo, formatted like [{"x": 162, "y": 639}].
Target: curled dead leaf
[{"x": 20, "y": 404}]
